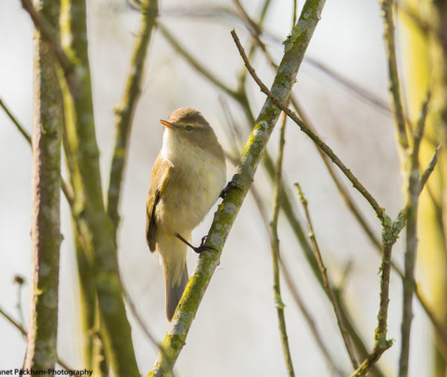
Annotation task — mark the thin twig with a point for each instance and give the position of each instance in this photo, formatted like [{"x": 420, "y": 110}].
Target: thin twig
[
  {"x": 429, "y": 169},
  {"x": 351, "y": 86},
  {"x": 275, "y": 254},
  {"x": 387, "y": 12},
  {"x": 19, "y": 327},
  {"x": 323, "y": 146},
  {"x": 294, "y": 12},
  {"x": 20, "y": 281},
  {"x": 196, "y": 64},
  {"x": 349, "y": 201},
  {"x": 326, "y": 282},
  {"x": 64, "y": 186},
  {"x": 292, "y": 287},
  {"x": 381, "y": 343},
  {"x": 357, "y": 214},
  {"x": 14, "y": 120}
]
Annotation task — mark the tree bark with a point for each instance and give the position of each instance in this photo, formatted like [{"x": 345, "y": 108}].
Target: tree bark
[{"x": 46, "y": 182}]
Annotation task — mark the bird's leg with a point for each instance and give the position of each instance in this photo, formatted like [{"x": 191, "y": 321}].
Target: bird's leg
[{"x": 198, "y": 249}]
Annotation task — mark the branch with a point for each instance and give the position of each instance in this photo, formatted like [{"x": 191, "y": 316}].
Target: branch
[
  {"x": 46, "y": 186},
  {"x": 19, "y": 327},
  {"x": 127, "y": 109},
  {"x": 14, "y": 120},
  {"x": 295, "y": 224},
  {"x": 429, "y": 169},
  {"x": 326, "y": 282},
  {"x": 387, "y": 12},
  {"x": 49, "y": 34},
  {"x": 275, "y": 255},
  {"x": 324, "y": 147},
  {"x": 409, "y": 283},
  {"x": 95, "y": 227},
  {"x": 224, "y": 218},
  {"x": 197, "y": 66},
  {"x": 381, "y": 343},
  {"x": 349, "y": 201},
  {"x": 292, "y": 287}
]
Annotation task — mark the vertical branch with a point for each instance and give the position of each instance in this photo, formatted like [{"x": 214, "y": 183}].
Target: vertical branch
[
  {"x": 394, "y": 88},
  {"x": 41, "y": 352},
  {"x": 95, "y": 227},
  {"x": 275, "y": 255},
  {"x": 326, "y": 282},
  {"x": 126, "y": 111},
  {"x": 413, "y": 191}
]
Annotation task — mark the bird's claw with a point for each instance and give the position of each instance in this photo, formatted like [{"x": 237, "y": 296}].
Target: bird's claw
[
  {"x": 228, "y": 187},
  {"x": 198, "y": 249}
]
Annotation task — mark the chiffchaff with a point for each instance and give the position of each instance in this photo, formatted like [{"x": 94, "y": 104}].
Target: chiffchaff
[{"x": 187, "y": 179}]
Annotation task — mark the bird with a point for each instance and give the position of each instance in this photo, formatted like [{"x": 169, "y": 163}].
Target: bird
[{"x": 187, "y": 178}]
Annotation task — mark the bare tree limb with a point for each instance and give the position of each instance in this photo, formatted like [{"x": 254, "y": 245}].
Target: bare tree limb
[
  {"x": 49, "y": 34},
  {"x": 224, "y": 218},
  {"x": 19, "y": 327},
  {"x": 411, "y": 211},
  {"x": 401, "y": 130},
  {"x": 323, "y": 146},
  {"x": 126, "y": 111},
  {"x": 429, "y": 169},
  {"x": 275, "y": 255},
  {"x": 326, "y": 282},
  {"x": 41, "y": 351},
  {"x": 14, "y": 120}
]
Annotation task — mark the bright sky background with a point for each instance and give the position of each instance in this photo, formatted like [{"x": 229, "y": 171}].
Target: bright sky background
[{"x": 235, "y": 331}]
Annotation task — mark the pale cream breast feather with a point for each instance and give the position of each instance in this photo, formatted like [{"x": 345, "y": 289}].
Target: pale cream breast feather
[{"x": 201, "y": 175}]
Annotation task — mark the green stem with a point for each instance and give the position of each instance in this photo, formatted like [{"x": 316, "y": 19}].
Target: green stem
[
  {"x": 95, "y": 227},
  {"x": 126, "y": 111},
  {"x": 411, "y": 210},
  {"x": 387, "y": 12},
  {"x": 224, "y": 218},
  {"x": 275, "y": 255},
  {"x": 326, "y": 282}
]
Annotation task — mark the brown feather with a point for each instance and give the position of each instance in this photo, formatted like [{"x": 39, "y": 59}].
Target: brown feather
[{"x": 158, "y": 183}]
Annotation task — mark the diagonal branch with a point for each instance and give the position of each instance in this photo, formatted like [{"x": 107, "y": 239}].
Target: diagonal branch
[
  {"x": 224, "y": 218},
  {"x": 23, "y": 331},
  {"x": 429, "y": 169},
  {"x": 323, "y": 146},
  {"x": 326, "y": 282},
  {"x": 14, "y": 120},
  {"x": 42, "y": 24}
]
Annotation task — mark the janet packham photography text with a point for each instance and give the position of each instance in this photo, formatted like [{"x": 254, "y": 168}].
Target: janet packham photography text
[{"x": 46, "y": 372}]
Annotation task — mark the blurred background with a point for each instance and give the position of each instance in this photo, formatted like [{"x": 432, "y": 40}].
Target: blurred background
[{"x": 235, "y": 331}]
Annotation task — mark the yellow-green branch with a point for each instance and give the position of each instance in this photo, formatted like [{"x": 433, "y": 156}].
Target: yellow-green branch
[{"x": 296, "y": 45}]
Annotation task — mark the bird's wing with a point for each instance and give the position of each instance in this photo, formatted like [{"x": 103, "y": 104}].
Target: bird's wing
[{"x": 159, "y": 179}]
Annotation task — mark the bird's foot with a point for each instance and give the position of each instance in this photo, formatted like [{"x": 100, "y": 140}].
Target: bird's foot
[
  {"x": 198, "y": 249},
  {"x": 227, "y": 188}
]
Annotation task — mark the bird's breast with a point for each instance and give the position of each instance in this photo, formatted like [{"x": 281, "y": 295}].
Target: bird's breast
[{"x": 194, "y": 184}]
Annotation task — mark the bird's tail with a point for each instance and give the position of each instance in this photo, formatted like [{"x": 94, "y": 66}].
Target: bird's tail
[{"x": 174, "y": 291}]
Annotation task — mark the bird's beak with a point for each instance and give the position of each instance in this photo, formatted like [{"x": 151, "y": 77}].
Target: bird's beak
[{"x": 167, "y": 124}]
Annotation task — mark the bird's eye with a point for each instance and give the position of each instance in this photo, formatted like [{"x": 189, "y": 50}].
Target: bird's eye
[{"x": 189, "y": 128}]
